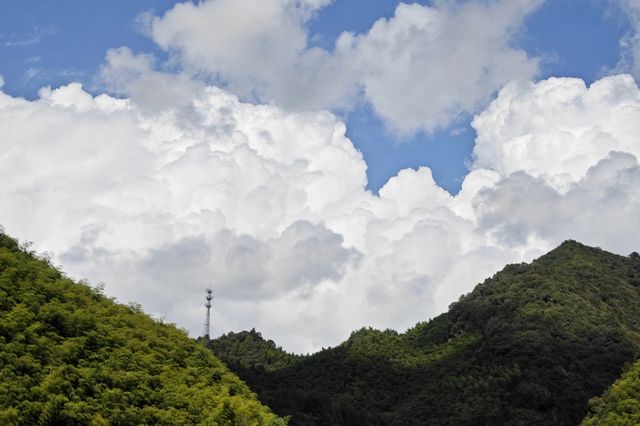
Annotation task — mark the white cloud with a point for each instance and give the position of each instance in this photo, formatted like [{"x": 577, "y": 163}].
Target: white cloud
[
  {"x": 567, "y": 154},
  {"x": 425, "y": 66},
  {"x": 270, "y": 207},
  {"x": 602, "y": 209},
  {"x": 260, "y": 52},
  {"x": 419, "y": 69},
  {"x": 630, "y": 43},
  {"x": 558, "y": 128},
  {"x": 159, "y": 204}
]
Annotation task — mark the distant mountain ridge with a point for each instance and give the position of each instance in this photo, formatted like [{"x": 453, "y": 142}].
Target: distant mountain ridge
[
  {"x": 531, "y": 345},
  {"x": 71, "y": 356}
]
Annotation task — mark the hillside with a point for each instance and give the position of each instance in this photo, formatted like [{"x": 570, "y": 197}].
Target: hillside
[
  {"x": 620, "y": 405},
  {"x": 71, "y": 356},
  {"x": 248, "y": 350},
  {"x": 530, "y": 345}
]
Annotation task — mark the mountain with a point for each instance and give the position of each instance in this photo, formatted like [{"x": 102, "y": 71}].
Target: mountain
[
  {"x": 248, "y": 350},
  {"x": 620, "y": 405},
  {"x": 531, "y": 345},
  {"x": 71, "y": 356}
]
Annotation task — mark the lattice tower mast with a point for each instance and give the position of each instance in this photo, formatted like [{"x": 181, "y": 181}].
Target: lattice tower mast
[{"x": 207, "y": 321}]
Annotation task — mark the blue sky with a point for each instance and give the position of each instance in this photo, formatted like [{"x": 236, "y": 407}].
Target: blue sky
[{"x": 53, "y": 43}]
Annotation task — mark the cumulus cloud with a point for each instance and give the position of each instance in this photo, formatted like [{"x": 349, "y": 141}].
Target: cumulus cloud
[
  {"x": 260, "y": 52},
  {"x": 156, "y": 203},
  {"x": 419, "y": 69},
  {"x": 427, "y": 65},
  {"x": 270, "y": 207},
  {"x": 558, "y": 128},
  {"x": 567, "y": 154},
  {"x": 126, "y": 73},
  {"x": 601, "y": 209}
]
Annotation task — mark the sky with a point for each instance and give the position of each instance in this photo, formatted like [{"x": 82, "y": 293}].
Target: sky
[{"x": 323, "y": 165}]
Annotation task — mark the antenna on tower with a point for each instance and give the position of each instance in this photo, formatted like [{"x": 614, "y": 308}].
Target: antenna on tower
[{"x": 207, "y": 321}]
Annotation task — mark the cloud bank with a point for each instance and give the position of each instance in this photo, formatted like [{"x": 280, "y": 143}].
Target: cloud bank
[
  {"x": 229, "y": 173},
  {"x": 179, "y": 186}
]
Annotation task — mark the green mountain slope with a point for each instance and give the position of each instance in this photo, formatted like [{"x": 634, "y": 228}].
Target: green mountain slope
[
  {"x": 531, "y": 345},
  {"x": 71, "y": 356},
  {"x": 248, "y": 350},
  {"x": 620, "y": 405}
]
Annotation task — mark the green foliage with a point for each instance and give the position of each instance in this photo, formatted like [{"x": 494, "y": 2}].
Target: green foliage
[
  {"x": 531, "y": 345},
  {"x": 71, "y": 356},
  {"x": 248, "y": 350},
  {"x": 620, "y": 405}
]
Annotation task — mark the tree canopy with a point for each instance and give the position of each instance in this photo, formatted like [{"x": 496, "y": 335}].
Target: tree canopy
[
  {"x": 531, "y": 345},
  {"x": 620, "y": 405},
  {"x": 71, "y": 356}
]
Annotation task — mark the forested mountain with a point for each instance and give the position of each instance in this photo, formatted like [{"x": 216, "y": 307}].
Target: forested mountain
[
  {"x": 71, "y": 356},
  {"x": 620, "y": 405},
  {"x": 248, "y": 350},
  {"x": 531, "y": 345}
]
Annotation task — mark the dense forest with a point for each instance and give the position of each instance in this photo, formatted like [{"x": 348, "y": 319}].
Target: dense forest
[
  {"x": 531, "y": 345},
  {"x": 620, "y": 405},
  {"x": 71, "y": 356},
  {"x": 249, "y": 350}
]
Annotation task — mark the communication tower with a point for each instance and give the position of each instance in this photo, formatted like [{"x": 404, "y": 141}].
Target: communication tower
[{"x": 207, "y": 321}]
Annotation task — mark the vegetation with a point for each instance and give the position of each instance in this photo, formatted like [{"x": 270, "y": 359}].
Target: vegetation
[
  {"x": 71, "y": 356},
  {"x": 248, "y": 350},
  {"x": 620, "y": 405},
  {"x": 531, "y": 345}
]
